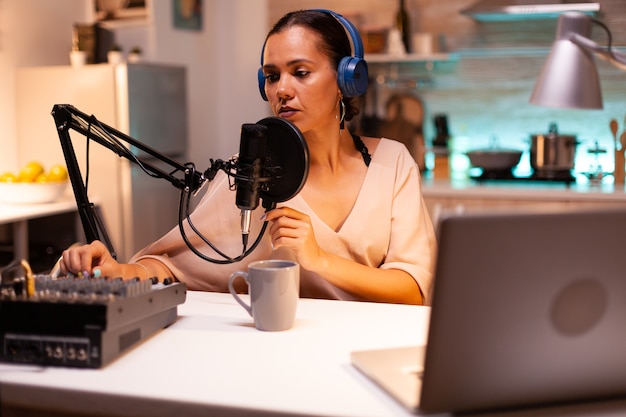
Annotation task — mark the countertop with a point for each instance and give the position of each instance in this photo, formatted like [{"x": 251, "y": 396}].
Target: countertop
[
  {"x": 212, "y": 361},
  {"x": 522, "y": 190},
  {"x": 10, "y": 213}
]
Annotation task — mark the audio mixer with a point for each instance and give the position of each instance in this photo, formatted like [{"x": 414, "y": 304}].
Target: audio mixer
[{"x": 81, "y": 322}]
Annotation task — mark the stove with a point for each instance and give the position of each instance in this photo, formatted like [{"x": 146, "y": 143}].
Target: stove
[{"x": 507, "y": 175}]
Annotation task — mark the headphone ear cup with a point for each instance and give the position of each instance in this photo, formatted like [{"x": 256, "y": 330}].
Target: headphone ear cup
[
  {"x": 261, "y": 78},
  {"x": 352, "y": 76}
]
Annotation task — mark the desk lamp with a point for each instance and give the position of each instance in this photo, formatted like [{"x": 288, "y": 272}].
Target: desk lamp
[{"x": 569, "y": 78}]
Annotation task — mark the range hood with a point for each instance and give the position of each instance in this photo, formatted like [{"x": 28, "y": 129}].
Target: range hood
[{"x": 507, "y": 10}]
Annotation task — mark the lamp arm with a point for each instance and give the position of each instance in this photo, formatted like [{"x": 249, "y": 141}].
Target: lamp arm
[{"x": 616, "y": 58}]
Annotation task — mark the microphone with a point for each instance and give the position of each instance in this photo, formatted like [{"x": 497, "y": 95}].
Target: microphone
[
  {"x": 250, "y": 167},
  {"x": 272, "y": 165}
]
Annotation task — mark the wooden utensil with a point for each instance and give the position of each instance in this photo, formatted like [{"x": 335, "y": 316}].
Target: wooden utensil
[
  {"x": 614, "y": 127},
  {"x": 618, "y": 174}
]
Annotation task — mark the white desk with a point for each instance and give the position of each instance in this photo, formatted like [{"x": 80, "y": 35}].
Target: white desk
[
  {"x": 212, "y": 360},
  {"x": 19, "y": 214}
]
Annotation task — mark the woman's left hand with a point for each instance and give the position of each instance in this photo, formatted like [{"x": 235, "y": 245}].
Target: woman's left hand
[{"x": 293, "y": 229}]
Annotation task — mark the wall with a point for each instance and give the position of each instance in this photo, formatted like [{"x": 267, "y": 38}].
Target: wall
[
  {"x": 222, "y": 60},
  {"x": 485, "y": 90},
  {"x": 32, "y": 33}
]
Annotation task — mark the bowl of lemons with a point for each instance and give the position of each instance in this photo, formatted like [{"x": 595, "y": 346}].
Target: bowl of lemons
[{"x": 34, "y": 184}]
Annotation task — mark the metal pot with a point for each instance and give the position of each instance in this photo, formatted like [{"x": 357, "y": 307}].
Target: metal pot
[
  {"x": 494, "y": 158},
  {"x": 552, "y": 152}
]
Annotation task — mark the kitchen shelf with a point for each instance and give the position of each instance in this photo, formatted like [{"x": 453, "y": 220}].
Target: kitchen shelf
[
  {"x": 410, "y": 58},
  {"x": 417, "y": 68}
]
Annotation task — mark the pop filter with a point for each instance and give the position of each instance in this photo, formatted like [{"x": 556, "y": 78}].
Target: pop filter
[{"x": 286, "y": 151}]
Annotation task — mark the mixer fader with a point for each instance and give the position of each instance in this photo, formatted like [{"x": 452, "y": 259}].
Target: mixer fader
[{"x": 81, "y": 322}]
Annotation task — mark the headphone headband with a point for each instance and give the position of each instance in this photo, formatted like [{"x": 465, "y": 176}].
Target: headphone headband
[
  {"x": 353, "y": 34},
  {"x": 352, "y": 74}
]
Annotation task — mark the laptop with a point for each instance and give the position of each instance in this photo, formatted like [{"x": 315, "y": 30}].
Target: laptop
[{"x": 528, "y": 309}]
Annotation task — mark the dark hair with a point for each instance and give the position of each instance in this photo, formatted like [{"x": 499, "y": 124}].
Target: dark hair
[{"x": 335, "y": 42}]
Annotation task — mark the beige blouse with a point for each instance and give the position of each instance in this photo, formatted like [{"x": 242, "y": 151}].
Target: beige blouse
[{"x": 388, "y": 227}]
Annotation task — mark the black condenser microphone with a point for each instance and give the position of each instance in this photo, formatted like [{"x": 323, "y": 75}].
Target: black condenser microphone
[{"x": 248, "y": 181}]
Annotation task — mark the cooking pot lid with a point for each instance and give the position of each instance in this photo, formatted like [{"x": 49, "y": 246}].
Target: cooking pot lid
[
  {"x": 554, "y": 137},
  {"x": 553, "y": 132}
]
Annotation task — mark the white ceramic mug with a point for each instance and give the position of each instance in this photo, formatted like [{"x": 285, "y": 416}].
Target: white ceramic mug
[{"x": 274, "y": 288}]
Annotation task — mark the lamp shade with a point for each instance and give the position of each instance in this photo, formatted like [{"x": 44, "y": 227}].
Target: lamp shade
[{"x": 569, "y": 78}]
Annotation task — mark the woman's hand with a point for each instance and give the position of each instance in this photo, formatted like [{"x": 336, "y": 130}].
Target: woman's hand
[
  {"x": 83, "y": 260},
  {"x": 292, "y": 229}
]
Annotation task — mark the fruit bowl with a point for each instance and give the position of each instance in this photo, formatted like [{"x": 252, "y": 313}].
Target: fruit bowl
[{"x": 31, "y": 192}]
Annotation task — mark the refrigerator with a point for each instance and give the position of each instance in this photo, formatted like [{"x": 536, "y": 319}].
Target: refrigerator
[{"x": 145, "y": 101}]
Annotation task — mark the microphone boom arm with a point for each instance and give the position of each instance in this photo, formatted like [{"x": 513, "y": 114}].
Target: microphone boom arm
[
  {"x": 183, "y": 177},
  {"x": 285, "y": 169},
  {"x": 69, "y": 117}
]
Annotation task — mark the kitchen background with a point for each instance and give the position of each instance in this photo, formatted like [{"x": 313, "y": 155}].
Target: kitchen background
[
  {"x": 221, "y": 60},
  {"x": 481, "y": 75},
  {"x": 483, "y": 85}
]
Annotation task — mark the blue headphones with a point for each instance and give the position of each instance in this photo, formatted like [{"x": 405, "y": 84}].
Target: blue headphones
[{"x": 352, "y": 70}]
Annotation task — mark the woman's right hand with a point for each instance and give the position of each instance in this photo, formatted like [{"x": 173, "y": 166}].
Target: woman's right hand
[{"x": 83, "y": 260}]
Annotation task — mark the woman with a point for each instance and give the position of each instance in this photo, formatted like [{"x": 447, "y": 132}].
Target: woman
[{"x": 358, "y": 228}]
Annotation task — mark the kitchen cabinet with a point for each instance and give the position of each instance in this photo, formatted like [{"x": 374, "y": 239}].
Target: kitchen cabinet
[
  {"x": 38, "y": 232},
  {"x": 147, "y": 102},
  {"x": 449, "y": 196},
  {"x": 415, "y": 68},
  {"x": 392, "y": 106},
  {"x": 412, "y": 58},
  {"x": 460, "y": 204}
]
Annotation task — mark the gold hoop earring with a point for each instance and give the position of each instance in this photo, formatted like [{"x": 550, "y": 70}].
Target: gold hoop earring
[{"x": 342, "y": 114}]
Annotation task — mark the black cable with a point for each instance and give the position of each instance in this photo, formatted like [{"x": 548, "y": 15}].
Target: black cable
[
  {"x": 184, "y": 214},
  {"x": 87, "y": 159},
  {"x": 121, "y": 148},
  {"x": 609, "y": 35}
]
